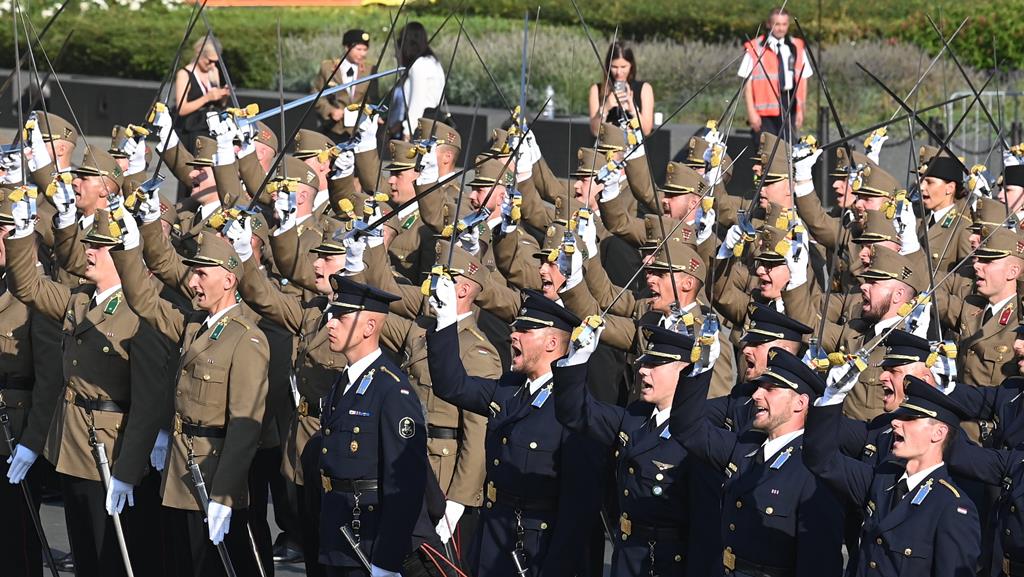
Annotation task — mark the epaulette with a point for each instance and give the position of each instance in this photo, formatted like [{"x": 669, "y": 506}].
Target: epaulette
[
  {"x": 949, "y": 486},
  {"x": 388, "y": 372},
  {"x": 241, "y": 322},
  {"x": 475, "y": 333}
]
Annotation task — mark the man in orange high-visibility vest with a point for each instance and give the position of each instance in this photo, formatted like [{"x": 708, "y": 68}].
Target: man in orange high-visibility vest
[{"x": 776, "y": 69}]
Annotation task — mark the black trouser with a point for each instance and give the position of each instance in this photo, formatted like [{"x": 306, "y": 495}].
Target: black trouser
[
  {"x": 784, "y": 124},
  {"x": 309, "y": 498},
  {"x": 94, "y": 543},
  {"x": 417, "y": 564},
  {"x": 206, "y": 560},
  {"x": 19, "y": 548},
  {"x": 265, "y": 464},
  {"x": 153, "y": 550}
]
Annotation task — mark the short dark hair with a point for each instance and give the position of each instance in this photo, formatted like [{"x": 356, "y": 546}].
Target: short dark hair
[
  {"x": 777, "y": 12},
  {"x": 620, "y": 50},
  {"x": 412, "y": 43}
]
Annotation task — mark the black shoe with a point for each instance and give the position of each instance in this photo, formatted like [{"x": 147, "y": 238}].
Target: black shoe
[{"x": 286, "y": 554}]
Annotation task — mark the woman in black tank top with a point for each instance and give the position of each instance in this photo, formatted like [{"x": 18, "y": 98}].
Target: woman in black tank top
[
  {"x": 199, "y": 83},
  {"x": 621, "y": 86}
]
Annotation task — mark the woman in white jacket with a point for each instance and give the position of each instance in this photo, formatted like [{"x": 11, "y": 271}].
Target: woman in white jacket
[{"x": 424, "y": 84}]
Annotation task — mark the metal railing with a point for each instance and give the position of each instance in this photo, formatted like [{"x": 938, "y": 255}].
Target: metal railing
[{"x": 976, "y": 138}]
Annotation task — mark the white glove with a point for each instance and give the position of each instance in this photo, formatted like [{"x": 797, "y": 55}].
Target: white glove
[
  {"x": 840, "y": 380},
  {"x": 714, "y": 351},
  {"x": 525, "y": 161},
  {"x": 224, "y": 131},
  {"x": 581, "y": 347},
  {"x": 130, "y": 236},
  {"x": 713, "y": 176},
  {"x": 446, "y": 526},
  {"x": 469, "y": 240},
  {"x": 218, "y": 518},
  {"x": 586, "y": 231},
  {"x": 376, "y": 571},
  {"x": 40, "y": 153},
  {"x": 64, "y": 200},
  {"x": 705, "y": 225},
  {"x": 137, "y": 157},
  {"x": 571, "y": 267},
  {"x": 367, "y": 134},
  {"x": 11, "y": 165},
  {"x": 428, "y": 168},
  {"x": 796, "y": 261},
  {"x": 284, "y": 210},
  {"x": 442, "y": 302},
  {"x": 874, "y": 147},
  {"x": 247, "y": 138},
  {"x": 354, "y": 249},
  {"x": 733, "y": 236},
  {"x": 20, "y": 462},
  {"x": 611, "y": 189},
  {"x": 239, "y": 232},
  {"x": 149, "y": 209},
  {"x": 158, "y": 456},
  {"x": 906, "y": 228},
  {"x": 24, "y": 223},
  {"x": 166, "y": 137},
  {"x": 803, "y": 169},
  {"x": 344, "y": 165},
  {"x": 531, "y": 142},
  {"x": 119, "y": 493}
]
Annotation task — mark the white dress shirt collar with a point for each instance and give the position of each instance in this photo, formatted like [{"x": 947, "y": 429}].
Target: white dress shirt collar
[
  {"x": 537, "y": 383},
  {"x": 770, "y": 447},
  {"x": 359, "y": 367},
  {"x": 212, "y": 319},
  {"x": 915, "y": 479},
  {"x": 98, "y": 298}
]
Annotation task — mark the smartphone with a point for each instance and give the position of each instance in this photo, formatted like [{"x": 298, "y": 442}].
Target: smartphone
[{"x": 619, "y": 86}]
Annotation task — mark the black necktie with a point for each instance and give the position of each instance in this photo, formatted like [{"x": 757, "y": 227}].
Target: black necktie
[
  {"x": 339, "y": 387},
  {"x": 202, "y": 329},
  {"x": 901, "y": 490},
  {"x": 782, "y": 66},
  {"x": 759, "y": 456},
  {"x": 987, "y": 316}
]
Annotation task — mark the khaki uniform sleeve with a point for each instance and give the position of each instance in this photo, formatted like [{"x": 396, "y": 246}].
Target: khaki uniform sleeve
[
  {"x": 641, "y": 183},
  {"x": 45, "y": 335},
  {"x": 619, "y": 331},
  {"x": 380, "y": 274},
  {"x": 177, "y": 160},
  {"x": 596, "y": 278},
  {"x": 143, "y": 297},
  {"x": 342, "y": 188},
  {"x": 824, "y": 228},
  {"x": 69, "y": 251},
  {"x": 513, "y": 256},
  {"x": 323, "y": 106},
  {"x": 368, "y": 170},
  {"x": 535, "y": 213},
  {"x": 229, "y": 184},
  {"x": 546, "y": 182},
  {"x": 259, "y": 293},
  {"x": 500, "y": 300},
  {"x": 621, "y": 223},
  {"x": 161, "y": 259},
  {"x": 730, "y": 292},
  {"x": 28, "y": 286},
  {"x": 247, "y": 394},
  {"x": 432, "y": 205},
  {"x": 252, "y": 173},
  {"x": 727, "y": 206},
  {"x": 292, "y": 257},
  {"x": 481, "y": 360}
]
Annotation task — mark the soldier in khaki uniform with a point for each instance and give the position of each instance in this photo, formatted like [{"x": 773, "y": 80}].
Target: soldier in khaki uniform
[
  {"x": 942, "y": 193},
  {"x": 111, "y": 362},
  {"x": 331, "y": 108},
  {"x": 413, "y": 248},
  {"x": 29, "y": 385},
  {"x": 219, "y": 397}
]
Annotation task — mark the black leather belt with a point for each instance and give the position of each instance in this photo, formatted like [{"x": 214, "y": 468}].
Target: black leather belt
[
  {"x": 13, "y": 383},
  {"x": 649, "y": 533},
  {"x": 347, "y": 485},
  {"x": 755, "y": 570},
  {"x": 536, "y": 504},
  {"x": 100, "y": 405},
  {"x": 308, "y": 409},
  {"x": 201, "y": 431},
  {"x": 443, "y": 433}
]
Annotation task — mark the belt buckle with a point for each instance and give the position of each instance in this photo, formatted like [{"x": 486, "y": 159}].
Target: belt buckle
[
  {"x": 729, "y": 559},
  {"x": 625, "y": 525},
  {"x": 69, "y": 395},
  {"x": 303, "y": 408},
  {"x": 1006, "y": 565},
  {"x": 177, "y": 424},
  {"x": 492, "y": 493},
  {"x": 325, "y": 482}
]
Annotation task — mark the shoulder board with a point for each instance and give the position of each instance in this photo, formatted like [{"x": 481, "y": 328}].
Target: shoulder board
[
  {"x": 475, "y": 333},
  {"x": 113, "y": 303},
  {"x": 241, "y": 322},
  {"x": 388, "y": 372},
  {"x": 949, "y": 486}
]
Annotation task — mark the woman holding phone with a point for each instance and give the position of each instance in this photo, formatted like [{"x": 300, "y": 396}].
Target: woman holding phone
[{"x": 621, "y": 93}]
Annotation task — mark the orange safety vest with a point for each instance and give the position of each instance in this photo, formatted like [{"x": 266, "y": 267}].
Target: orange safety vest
[{"x": 764, "y": 81}]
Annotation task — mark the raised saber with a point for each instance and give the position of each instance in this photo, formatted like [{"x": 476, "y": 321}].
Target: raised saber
[
  {"x": 203, "y": 500},
  {"x": 347, "y": 534},
  {"x": 311, "y": 97}
]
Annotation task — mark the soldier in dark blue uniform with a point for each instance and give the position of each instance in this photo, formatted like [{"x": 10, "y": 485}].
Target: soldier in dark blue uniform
[
  {"x": 544, "y": 482},
  {"x": 651, "y": 470},
  {"x": 916, "y": 520},
  {"x": 778, "y": 520},
  {"x": 373, "y": 458}
]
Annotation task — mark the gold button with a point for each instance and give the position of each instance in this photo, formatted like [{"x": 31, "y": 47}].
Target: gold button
[
  {"x": 873, "y": 565},
  {"x": 625, "y": 492},
  {"x": 369, "y": 508},
  {"x": 504, "y": 440},
  {"x": 631, "y": 471},
  {"x": 206, "y": 377},
  {"x": 324, "y": 450},
  {"x": 533, "y": 445},
  {"x": 739, "y": 504},
  {"x": 625, "y": 537},
  {"x": 177, "y": 393},
  {"x": 878, "y": 541},
  {"x": 489, "y": 504},
  {"x": 678, "y": 558},
  {"x": 732, "y": 526},
  {"x": 184, "y": 372},
  {"x": 543, "y": 526},
  {"x": 659, "y": 477},
  {"x": 1007, "y": 531},
  {"x": 327, "y": 431},
  {"x": 616, "y": 452},
  {"x": 496, "y": 462},
  {"x": 106, "y": 349},
  {"x": 74, "y": 362},
  {"x": 907, "y": 552},
  {"x": 79, "y": 341},
  {"x": 444, "y": 451},
  {"x": 355, "y": 430},
  {"x": 769, "y": 510}
]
